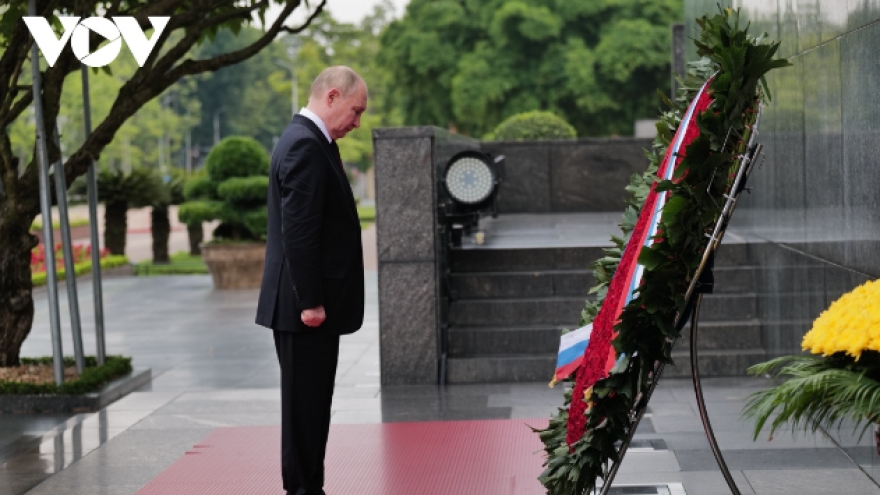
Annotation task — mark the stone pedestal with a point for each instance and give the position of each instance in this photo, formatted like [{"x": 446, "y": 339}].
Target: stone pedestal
[
  {"x": 235, "y": 265},
  {"x": 407, "y": 163}
]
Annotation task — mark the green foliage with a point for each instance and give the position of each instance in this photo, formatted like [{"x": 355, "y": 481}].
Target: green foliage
[
  {"x": 237, "y": 174},
  {"x": 532, "y": 125},
  {"x": 236, "y": 157},
  {"x": 818, "y": 392},
  {"x": 244, "y": 189},
  {"x": 139, "y": 188},
  {"x": 92, "y": 378},
  {"x": 200, "y": 187},
  {"x": 107, "y": 262},
  {"x": 199, "y": 211},
  {"x": 75, "y": 222},
  {"x": 181, "y": 263},
  {"x": 469, "y": 65},
  {"x": 645, "y": 329}
]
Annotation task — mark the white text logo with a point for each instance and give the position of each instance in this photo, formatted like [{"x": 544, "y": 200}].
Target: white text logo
[{"x": 120, "y": 28}]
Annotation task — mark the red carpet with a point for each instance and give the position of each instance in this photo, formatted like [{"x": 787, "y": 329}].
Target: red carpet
[{"x": 498, "y": 457}]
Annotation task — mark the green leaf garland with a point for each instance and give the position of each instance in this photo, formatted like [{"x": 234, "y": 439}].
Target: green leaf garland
[{"x": 645, "y": 330}]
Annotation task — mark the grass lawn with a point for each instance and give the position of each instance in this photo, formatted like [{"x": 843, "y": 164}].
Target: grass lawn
[
  {"x": 182, "y": 263},
  {"x": 367, "y": 215}
]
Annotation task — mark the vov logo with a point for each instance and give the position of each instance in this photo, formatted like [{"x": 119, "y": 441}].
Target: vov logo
[{"x": 120, "y": 28}]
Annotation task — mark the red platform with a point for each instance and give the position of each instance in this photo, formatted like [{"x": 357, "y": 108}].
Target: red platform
[{"x": 497, "y": 457}]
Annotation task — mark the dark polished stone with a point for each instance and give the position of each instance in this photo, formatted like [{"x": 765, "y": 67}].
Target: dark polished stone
[
  {"x": 860, "y": 70},
  {"x": 408, "y": 322},
  {"x": 590, "y": 175},
  {"x": 404, "y": 219},
  {"x": 525, "y": 187}
]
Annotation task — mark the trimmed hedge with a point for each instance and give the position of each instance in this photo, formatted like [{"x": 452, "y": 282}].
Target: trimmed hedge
[
  {"x": 244, "y": 189},
  {"x": 92, "y": 378},
  {"x": 200, "y": 188},
  {"x": 532, "y": 125},
  {"x": 112, "y": 261},
  {"x": 236, "y": 157},
  {"x": 234, "y": 191},
  {"x": 199, "y": 211}
]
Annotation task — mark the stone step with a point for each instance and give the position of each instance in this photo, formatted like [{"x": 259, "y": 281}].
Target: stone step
[
  {"x": 563, "y": 311},
  {"x": 513, "y": 339},
  {"x": 734, "y": 278},
  {"x": 729, "y": 307},
  {"x": 715, "y": 362},
  {"x": 492, "y": 369},
  {"x": 471, "y": 285},
  {"x": 493, "y": 260},
  {"x": 537, "y": 339},
  {"x": 729, "y": 335}
]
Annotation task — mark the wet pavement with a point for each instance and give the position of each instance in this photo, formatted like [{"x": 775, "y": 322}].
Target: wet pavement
[{"x": 213, "y": 367}]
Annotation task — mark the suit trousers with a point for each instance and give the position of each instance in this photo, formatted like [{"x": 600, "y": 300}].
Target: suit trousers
[{"x": 308, "y": 370}]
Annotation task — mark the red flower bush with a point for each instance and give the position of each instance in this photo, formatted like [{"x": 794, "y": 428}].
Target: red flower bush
[{"x": 80, "y": 254}]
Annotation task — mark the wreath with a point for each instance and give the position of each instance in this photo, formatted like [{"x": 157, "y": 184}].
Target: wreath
[{"x": 697, "y": 153}]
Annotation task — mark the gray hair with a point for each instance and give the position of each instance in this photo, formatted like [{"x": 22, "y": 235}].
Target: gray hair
[{"x": 340, "y": 77}]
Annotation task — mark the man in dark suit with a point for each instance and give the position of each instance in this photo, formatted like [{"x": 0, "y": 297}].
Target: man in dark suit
[{"x": 313, "y": 283}]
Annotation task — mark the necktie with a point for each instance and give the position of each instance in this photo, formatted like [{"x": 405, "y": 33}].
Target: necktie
[{"x": 338, "y": 156}]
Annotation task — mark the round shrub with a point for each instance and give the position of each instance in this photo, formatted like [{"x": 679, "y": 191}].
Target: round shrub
[
  {"x": 237, "y": 157},
  {"x": 196, "y": 212},
  {"x": 532, "y": 125},
  {"x": 244, "y": 189},
  {"x": 233, "y": 192},
  {"x": 201, "y": 187}
]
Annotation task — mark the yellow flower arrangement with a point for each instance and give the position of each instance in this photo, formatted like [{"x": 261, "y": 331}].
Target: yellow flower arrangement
[{"x": 850, "y": 325}]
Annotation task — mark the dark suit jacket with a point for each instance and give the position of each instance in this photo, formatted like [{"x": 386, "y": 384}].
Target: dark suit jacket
[{"x": 314, "y": 255}]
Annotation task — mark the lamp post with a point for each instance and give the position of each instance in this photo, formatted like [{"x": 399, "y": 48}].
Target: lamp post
[
  {"x": 294, "y": 95},
  {"x": 217, "y": 124}
]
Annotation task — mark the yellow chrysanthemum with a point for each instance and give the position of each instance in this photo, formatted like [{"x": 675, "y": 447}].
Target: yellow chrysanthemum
[{"x": 851, "y": 324}]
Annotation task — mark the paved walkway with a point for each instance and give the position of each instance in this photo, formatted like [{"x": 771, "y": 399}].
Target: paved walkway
[{"x": 214, "y": 369}]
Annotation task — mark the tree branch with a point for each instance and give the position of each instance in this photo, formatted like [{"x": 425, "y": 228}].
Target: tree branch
[
  {"x": 146, "y": 84},
  {"x": 303, "y": 26},
  {"x": 190, "y": 67}
]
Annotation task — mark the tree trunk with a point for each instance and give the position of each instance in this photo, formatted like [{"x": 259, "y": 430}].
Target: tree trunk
[
  {"x": 115, "y": 225},
  {"x": 16, "y": 301},
  {"x": 161, "y": 229},
  {"x": 196, "y": 236}
]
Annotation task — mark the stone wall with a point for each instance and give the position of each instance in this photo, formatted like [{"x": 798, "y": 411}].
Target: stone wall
[
  {"x": 815, "y": 202},
  {"x": 539, "y": 177},
  {"x": 572, "y": 175}
]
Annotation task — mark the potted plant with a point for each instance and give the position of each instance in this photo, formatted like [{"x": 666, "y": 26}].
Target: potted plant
[
  {"x": 839, "y": 381},
  {"x": 234, "y": 193}
]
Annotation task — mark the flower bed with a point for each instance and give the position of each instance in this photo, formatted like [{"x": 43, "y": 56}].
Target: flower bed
[
  {"x": 82, "y": 259},
  {"x": 92, "y": 378}
]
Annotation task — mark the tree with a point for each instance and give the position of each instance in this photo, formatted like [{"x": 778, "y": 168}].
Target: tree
[
  {"x": 469, "y": 64},
  {"x": 119, "y": 191},
  {"x": 160, "y": 222},
  {"x": 192, "y": 22}
]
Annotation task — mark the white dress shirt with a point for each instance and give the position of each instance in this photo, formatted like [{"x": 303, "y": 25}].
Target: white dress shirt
[{"x": 305, "y": 112}]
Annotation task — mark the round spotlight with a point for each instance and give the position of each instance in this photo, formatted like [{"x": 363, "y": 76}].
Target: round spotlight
[{"x": 470, "y": 178}]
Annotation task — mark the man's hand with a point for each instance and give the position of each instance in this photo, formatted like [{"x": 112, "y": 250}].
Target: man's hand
[{"x": 314, "y": 317}]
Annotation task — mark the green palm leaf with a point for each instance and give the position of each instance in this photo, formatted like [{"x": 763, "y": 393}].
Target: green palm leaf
[{"x": 819, "y": 391}]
